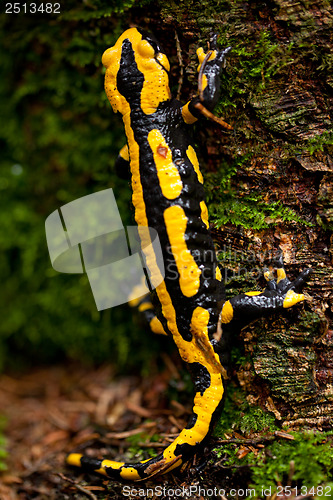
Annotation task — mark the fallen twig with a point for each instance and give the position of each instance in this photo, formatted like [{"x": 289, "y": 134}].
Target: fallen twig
[
  {"x": 79, "y": 487},
  {"x": 256, "y": 441}
]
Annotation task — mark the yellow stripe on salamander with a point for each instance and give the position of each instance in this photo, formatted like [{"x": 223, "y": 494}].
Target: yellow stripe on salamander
[
  {"x": 187, "y": 115},
  {"x": 189, "y": 350},
  {"x": 292, "y": 298},
  {"x": 124, "y": 153},
  {"x": 281, "y": 274},
  {"x": 157, "y": 327},
  {"x": 168, "y": 175},
  {"x": 130, "y": 473},
  {"x": 204, "y": 213},
  {"x": 109, "y": 463},
  {"x": 201, "y": 56},
  {"x": 192, "y": 156},
  {"x": 206, "y": 403},
  {"x": 227, "y": 312},
  {"x": 74, "y": 459},
  {"x": 137, "y": 196},
  {"x": 145, "y": 306},
  {"x": 156, "y": 79},
  {"x": 189, "y": 273},
  {"x": 204, "y": 82},
  {"x": 155, "y": 71}
]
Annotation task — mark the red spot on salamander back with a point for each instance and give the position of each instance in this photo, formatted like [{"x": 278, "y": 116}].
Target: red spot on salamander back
[{"x": 162, "y": 151}]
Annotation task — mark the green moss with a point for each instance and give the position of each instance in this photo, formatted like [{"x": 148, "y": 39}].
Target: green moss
[
  {"x": 257, "y": 420},
  {"x": 319, "y": 142},
  {"x": 250, "y": 211},
  {"x": 256, "y": 55},
  {"x": 230, "y": 412},
  {"x": 311, "y": 453},
  {"x": 59, "y": 140},
  {"x": 239, "y": 416},
  {"x": 253, "y": 62}
]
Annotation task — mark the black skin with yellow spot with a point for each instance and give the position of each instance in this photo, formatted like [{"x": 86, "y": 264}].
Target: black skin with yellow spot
[
  {"x": 168, "y": 119},
  {"x": 168, "y": 196}
]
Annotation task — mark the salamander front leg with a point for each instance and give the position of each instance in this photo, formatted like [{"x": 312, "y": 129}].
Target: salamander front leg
[
  {"x": 279, "y": 294},
  {"x": 209, "y": 69}
]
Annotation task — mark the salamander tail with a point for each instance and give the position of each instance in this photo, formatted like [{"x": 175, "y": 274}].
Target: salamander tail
[{"x": 125, "y": 471}]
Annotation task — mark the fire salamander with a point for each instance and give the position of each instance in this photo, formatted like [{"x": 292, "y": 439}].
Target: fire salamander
[{"x": 168, "y": 195}]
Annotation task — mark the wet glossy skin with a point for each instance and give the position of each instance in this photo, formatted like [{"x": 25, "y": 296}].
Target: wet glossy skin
[{"x": 168, "y": 195}]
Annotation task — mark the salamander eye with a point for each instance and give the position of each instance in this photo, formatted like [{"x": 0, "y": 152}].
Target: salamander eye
[{"x": 145, "y": 49}]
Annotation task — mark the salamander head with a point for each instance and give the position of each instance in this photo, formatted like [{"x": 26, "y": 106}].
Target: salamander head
[{"x": 136, "y": 72}]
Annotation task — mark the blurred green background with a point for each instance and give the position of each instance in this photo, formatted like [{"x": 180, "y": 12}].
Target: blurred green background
[{"x": 59, "y": 139}]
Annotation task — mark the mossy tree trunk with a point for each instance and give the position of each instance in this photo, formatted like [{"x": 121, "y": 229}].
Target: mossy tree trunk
[{"x": 270, "y": 186}]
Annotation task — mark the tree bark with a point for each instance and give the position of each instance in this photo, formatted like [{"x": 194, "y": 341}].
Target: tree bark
[{"x": 277, "y": 95}]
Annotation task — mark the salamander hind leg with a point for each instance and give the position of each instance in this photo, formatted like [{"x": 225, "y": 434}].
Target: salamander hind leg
[{"x": 279, "y": 294}]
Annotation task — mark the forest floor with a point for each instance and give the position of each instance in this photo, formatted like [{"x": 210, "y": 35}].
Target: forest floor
[{"x": 51, "y": 411}]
